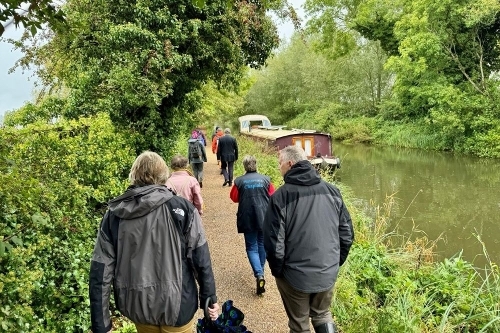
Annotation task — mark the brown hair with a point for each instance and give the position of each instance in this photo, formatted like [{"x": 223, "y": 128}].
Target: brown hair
[
  {"x": 178, "y": 162},
  {"x": 249, "y": 163}
]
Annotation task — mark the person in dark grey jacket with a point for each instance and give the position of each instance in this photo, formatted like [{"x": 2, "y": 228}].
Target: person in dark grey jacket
[
  {"x": 307, "y": 235},
  {"x": 151, "y": 246},
  {"x": 196, "y": 161},
  {"x": 252, "y": 192}
]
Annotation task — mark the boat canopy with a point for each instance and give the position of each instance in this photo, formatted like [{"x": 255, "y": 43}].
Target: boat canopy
[{"x": 253, "y": 119}]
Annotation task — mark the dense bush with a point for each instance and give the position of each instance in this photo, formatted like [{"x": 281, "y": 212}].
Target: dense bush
[{"x": 54, "y": 180}]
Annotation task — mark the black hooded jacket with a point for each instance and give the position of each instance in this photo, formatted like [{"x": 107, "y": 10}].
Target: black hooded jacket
[{"x": 307, "y": 230}]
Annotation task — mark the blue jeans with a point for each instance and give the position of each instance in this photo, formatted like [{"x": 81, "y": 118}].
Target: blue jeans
[{"x": 254, "y": 243}]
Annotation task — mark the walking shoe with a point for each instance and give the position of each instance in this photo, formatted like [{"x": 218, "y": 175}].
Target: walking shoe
[
  {"x": 260, "y": 285},
  {"x": 230, "y": 183},
  {"x": 225, "y": 182},
  {"x": 201, "y": 184}
]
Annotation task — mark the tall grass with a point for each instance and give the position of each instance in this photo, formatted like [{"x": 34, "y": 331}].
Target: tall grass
[
  {"x": 267, "y": 159},
  {"x": 392, "y": 283}
]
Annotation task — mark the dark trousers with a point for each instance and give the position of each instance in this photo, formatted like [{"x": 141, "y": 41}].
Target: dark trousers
[
  {"x": 227, "y": 170},
  {"x": 300, "y": 306},
  {"x": 197, "y": 171}
]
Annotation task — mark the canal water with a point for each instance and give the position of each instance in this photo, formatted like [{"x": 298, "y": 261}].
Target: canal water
[{"x": 438, "y": 193}]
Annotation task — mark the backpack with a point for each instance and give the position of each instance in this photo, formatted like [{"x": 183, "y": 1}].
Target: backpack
[{"x": 194, "y": 150}]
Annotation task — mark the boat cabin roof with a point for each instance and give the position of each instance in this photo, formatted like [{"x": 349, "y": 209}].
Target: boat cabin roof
[{"x": 275, "y": 132}]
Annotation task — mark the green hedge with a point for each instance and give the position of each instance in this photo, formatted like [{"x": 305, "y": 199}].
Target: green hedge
[{"x": 54, "y": 181}]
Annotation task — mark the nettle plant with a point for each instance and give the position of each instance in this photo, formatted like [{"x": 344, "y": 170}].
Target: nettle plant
[{"x": 54, "y": 181}]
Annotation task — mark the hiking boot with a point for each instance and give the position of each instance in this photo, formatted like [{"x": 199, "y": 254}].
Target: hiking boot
[{"x": 260, "y": 285}]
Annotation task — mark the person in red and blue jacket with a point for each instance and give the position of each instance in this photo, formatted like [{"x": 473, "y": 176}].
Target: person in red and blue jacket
[{"x": 252, "y": 191}]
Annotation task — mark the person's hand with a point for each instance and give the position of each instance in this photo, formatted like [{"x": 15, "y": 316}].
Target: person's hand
[{"x": 214, "y": 311}]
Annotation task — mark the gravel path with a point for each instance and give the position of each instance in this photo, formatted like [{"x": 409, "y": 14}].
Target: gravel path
[{"x": 233, "y": 274}]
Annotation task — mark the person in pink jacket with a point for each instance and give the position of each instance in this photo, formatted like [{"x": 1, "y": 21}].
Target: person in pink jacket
[{"x": 183, "y": 183}]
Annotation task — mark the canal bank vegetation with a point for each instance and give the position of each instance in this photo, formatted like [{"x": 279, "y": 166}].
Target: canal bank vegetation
[{"x": 420, "y": 74}]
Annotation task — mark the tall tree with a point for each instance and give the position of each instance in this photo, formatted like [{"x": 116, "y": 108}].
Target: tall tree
[{"x": 142, "y": 61}]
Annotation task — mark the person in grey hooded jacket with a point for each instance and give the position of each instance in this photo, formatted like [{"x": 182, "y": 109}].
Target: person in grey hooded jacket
[
  {"x": 151, "y": 246},
  {"x": 307, "y": 236}
]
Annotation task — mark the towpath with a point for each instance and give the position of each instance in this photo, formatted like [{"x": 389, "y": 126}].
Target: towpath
[{"x": 233, "y": 274}]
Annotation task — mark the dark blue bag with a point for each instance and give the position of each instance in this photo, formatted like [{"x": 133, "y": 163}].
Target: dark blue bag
[{"x": 230, "y": 321}]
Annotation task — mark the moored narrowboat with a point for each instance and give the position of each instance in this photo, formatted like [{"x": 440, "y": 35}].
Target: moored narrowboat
[{"x": 317, "y": 145}]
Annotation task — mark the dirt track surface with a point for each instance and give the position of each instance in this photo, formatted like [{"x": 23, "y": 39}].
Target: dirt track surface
[{"x": 233, "y": 275}]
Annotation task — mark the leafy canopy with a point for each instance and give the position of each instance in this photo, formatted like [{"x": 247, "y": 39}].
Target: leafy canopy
[{"x": 142, "y": 62}]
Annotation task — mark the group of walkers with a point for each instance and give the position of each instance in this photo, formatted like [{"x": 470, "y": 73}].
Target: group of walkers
[{"x": 151, "y": 245}]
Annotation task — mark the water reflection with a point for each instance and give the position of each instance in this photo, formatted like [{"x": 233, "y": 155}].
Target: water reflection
[{"x": 439, "y": 193}]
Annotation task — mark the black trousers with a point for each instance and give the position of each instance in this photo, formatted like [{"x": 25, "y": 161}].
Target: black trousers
[{"x": 227, "y": 170}]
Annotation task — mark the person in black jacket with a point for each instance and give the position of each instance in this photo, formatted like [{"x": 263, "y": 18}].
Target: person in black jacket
[
  {"x": 252, "y": 192},
  {"x": 151, "y": 247},
  {"x": 227, "y": 153},
  {"x": 307, "y": 235}
]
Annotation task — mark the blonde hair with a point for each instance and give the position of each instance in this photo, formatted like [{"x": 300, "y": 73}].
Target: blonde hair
[{"x": 149, "y": 168}]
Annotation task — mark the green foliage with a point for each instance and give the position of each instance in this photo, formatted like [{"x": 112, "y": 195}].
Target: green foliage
[
  {"x": 387, "y": 288},
  {"x": 409, "y": 135},
  {"x": 144, "y": 61},
  {"x": 355, "y": 130},
  {"x": 45, "y": 111},
  {"x": 440, "y": 74},
  {"x": 353, "y": 84},
  {"x": 267, "y": 159},
  {"x": 55, "y": 180},
  {"x": 31, "y": 14},
  {"x": 220, "y": 105},
  {"x": 376, "y": 292}
]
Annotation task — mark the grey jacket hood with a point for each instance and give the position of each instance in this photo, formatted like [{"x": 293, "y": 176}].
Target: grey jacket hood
[{"x": 139, "y": 201}]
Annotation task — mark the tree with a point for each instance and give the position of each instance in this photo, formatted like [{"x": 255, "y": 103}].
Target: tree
[
  {"x": 143, "y": 61},
  {"x": 31, "y": 14}
]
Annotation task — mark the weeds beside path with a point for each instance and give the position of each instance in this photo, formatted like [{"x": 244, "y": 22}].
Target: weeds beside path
[{"x": 233, "y": 275}]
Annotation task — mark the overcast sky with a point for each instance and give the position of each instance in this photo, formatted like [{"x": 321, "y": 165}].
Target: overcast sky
[{"x": 17, "y": 88}]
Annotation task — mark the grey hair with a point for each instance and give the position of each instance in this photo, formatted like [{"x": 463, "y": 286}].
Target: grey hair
[
  {"x": 227, "y": 131},
  {"x": 149, "y": 168},
  {"x": 250, "y": 163},
  {"x": 293, "y": 153},
  {"x": 179, "y": 162}
]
